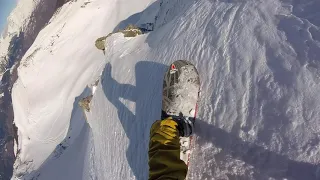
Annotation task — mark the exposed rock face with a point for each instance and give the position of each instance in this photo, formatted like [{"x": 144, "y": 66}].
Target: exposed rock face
[
  {"x": 85, "y": 103},
  {"x": 129, "y": 31}
]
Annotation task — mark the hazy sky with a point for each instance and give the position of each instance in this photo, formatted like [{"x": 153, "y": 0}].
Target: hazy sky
[{"x": 6, "y": 7}]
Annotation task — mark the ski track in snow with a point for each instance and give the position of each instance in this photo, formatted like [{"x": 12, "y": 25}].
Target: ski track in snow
[{"x": 258, "y": 112}]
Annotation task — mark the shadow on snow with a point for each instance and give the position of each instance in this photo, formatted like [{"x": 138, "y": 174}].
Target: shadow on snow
[
  {"x": 265, "y": 161},
  {"x": 147, "y": 96}
]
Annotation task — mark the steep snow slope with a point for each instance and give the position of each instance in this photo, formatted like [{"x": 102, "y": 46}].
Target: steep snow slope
[
  {"x": 24, "y": 23},
  {"x": 58, "y": 67},
  {"x": 259, "y": 107},
  {"x": 259, "y": 68}
]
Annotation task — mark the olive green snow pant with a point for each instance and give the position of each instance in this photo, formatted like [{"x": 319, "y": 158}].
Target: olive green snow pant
[{"x": 164, "y": 152}]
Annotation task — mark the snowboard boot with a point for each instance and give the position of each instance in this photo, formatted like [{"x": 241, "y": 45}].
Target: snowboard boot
[{"x": 185, "y": 124}]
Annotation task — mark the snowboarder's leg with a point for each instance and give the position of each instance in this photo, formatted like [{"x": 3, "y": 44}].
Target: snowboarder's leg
[
  {"x": 168, "y": 158},
  {"x": 164, "y": 150}
]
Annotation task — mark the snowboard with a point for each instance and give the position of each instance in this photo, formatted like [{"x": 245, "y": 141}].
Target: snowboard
[{"x": 181, "y": 89}]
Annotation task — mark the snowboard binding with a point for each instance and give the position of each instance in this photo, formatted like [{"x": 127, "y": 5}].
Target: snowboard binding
[{"x": 185, "y": 124}]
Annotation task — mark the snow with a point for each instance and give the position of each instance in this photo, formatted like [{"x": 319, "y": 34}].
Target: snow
[
  {"x": 259, "y": 70},
  {"x": 23, "y": 25},
  {"x": 15, "y": 22}
]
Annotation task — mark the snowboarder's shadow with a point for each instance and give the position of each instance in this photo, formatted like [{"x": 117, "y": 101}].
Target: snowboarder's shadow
[
  {"x": 263, "y": 160},
  {"x": 147, "y": 97}
]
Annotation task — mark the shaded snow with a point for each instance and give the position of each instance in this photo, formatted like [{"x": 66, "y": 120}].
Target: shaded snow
[{"x": 259, "y": 68}]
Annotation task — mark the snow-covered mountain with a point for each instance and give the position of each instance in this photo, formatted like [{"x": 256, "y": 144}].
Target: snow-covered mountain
[
  {"x": 24, "y": 23},
  {"x": 259, "y": 108},
  {"x": 23, "y": 26}
]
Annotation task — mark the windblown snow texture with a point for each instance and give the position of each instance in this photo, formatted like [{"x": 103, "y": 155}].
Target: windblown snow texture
[{"x": 259, "y": 68}]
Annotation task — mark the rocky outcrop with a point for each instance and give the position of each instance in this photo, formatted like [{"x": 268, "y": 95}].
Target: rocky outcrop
[{"x": 129, "y": 31}]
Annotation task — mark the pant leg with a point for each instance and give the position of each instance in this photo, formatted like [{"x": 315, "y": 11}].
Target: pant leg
[{"x": 164, "y": 152}]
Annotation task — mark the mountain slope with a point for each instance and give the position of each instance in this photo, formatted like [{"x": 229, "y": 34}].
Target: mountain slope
[
  {"x": 43, "y": 109},
  {"x": 24, "y": 23},
  {"x": 258, "y": 62}
]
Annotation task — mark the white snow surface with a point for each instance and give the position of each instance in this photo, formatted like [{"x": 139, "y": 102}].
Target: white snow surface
[
  {"x": 259, "y": 66},
  {"x": 22, "y": 26}
]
